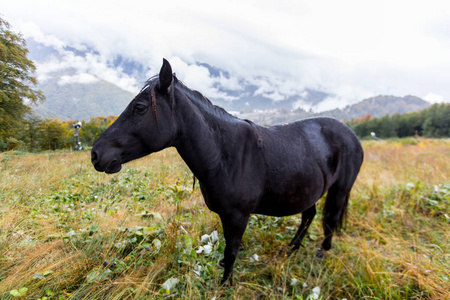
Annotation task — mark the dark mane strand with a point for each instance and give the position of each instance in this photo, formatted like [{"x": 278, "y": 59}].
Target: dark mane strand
[{"x": 199, "y": 100}]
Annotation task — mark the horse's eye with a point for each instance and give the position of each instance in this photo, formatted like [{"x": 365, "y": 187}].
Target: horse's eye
[{"x": 139, "y": 108}]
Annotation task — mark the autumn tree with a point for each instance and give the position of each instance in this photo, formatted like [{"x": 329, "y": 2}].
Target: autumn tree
[
  {"x": 17, "y": 85},
  {"x": 54, "y": 135}
]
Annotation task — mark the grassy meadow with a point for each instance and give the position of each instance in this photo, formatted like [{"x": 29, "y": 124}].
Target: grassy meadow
[{"x": 69, "y": 232}]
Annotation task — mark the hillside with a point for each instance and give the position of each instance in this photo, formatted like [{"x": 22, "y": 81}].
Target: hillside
[
  {"x": 82, "y": 101},
  {"x": 377, "y": 106},
  {"x": 76, "y": 101},
  {"x": 380, "y": 106}
]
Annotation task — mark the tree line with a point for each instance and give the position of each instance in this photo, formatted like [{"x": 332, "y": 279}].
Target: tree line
[
  {"x": 38, "y": 134},
  {"x": 433, "y": 122},
  {"x": 52, "y": 134}
]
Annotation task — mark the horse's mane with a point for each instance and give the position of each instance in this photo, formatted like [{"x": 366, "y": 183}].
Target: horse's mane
[
  {"x": 204, "y": 103},
  {"x": 196, "y": 97},
  {"x": 149, "y": 83}
]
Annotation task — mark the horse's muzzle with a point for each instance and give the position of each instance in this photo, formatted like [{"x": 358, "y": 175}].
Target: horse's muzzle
[{"x": 107, "y": 166}]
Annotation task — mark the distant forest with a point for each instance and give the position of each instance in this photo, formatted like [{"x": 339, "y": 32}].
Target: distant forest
[
  {"x": 52, "y": 134},
  {"x": 433, "y": 122}
]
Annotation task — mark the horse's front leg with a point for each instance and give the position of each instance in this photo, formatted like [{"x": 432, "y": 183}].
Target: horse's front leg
[{"x": 234, "y": 225}]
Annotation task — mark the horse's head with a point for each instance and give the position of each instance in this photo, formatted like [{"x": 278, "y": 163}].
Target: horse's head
[{"x": 144, "y": 127}]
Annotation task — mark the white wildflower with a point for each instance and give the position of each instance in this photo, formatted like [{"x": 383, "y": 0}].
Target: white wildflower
[
  {"x": 207, "y": 249},
  {"x": 315, "y": 293},
  {"x": 210, "y": 238},
  {"x": 205, "y": 238},
  {"x": 170, "y": 284},
  {"x": 38, "y": 276},
  {"x": 214, "y": 236},
  {"x": 157, "y": 244},
  {"x": 294, "y": 281},
  {"x": 410, "y": 185},
  {"x": 254, "y": 257},
  {"x": 197, "y": 270}
]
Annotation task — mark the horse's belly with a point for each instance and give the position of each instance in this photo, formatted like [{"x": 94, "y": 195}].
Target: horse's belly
[{"x": 282, "y": 205}]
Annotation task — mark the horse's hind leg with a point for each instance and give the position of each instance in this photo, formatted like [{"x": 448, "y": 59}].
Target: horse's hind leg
[
  {"x": 334, "y": 212},
  {"x": 307, "y": 217}
]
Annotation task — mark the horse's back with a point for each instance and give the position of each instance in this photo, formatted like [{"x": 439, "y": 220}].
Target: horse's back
[
  {"x": 329, "y": 128},
  {"x": 304, "y": 159},
  {"x": 314, "y": 136},
  {"x": 327, "y": 139}
]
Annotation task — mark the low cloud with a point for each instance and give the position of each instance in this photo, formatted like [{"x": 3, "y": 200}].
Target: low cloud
[
  {"x": 83, "y": 78},
  {"x": 434, "y": 98},
  {"x": 348, "y": 49},
  {"x": 88, "y": 69},
  {"x": 199, "y": 78}
]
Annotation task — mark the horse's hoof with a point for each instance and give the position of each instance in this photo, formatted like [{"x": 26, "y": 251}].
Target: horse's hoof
[
  {"x": 226, "y": 282},
  {"x": 320, "y": 253},
  {"x": 290, "y": 252}
]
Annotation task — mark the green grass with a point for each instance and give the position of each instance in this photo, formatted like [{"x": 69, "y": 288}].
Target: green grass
[{"x": 69, "y": 232}]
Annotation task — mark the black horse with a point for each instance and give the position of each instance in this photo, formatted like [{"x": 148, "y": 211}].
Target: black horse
[{"x": 242, "y": 168}]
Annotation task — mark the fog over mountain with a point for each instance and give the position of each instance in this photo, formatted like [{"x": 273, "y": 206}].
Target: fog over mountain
[
  {"x": 77, "y": 84},
  {"x": 76, "y": 88},
  {"x": 314, "y": 55}
]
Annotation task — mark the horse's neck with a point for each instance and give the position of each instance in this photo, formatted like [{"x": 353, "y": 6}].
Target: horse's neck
[{"x": 198, "y": 142}]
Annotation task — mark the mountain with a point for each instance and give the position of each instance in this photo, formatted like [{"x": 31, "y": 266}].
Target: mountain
[
  {"x": 77, "y": 101},
  {"x": 80, "y": 84},
  {"x": 249, "y": 96},
  {"x": 377, "y": 107},
  {"x": 380, "y": 106}
]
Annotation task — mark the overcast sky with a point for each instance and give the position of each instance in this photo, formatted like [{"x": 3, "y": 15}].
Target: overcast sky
[{"x": 351, "y": 49}]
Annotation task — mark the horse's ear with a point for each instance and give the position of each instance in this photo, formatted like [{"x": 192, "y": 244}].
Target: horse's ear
[{"x": 165, "y": 76}]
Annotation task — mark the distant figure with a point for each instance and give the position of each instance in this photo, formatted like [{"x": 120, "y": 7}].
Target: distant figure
[
  {"x": 374, "y": 136},
  {"x": 77, "y": 127}
]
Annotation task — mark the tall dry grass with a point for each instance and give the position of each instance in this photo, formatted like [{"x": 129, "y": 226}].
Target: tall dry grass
[{"x": 68, "y": 232}]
